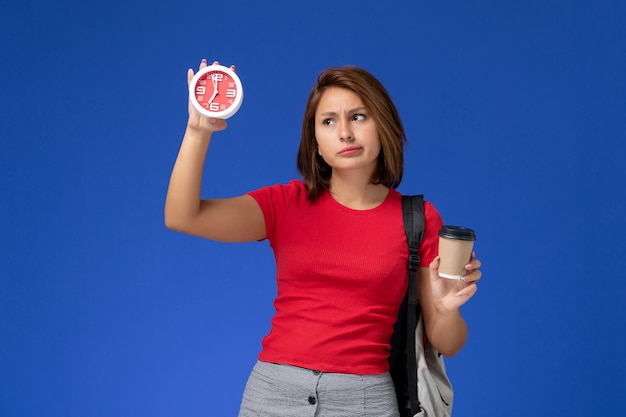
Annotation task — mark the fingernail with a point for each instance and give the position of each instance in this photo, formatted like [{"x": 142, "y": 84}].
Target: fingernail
[{"x": 203, "y": 60}]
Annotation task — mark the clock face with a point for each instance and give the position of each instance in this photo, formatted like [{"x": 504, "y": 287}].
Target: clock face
[{"x": 216, "y": 91}]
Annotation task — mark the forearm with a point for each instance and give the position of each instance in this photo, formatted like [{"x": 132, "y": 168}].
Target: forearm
[
  {"x": 447, "y": 332},
  {"x": 445, "y": 327},
  {"x": 182, "y": 203}
]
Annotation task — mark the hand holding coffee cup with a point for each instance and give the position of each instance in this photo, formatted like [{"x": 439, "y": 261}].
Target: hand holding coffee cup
[{"x": 455, "y": 251}]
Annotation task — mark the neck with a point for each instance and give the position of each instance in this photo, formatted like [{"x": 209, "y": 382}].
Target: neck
[{"x": 357, "y": 193}]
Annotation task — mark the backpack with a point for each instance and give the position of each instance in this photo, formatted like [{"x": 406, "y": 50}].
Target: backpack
[{"x": 417, "y": 369}]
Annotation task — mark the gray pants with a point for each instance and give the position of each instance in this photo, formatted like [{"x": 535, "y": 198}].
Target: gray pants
[{"x": 275, "y": 390}]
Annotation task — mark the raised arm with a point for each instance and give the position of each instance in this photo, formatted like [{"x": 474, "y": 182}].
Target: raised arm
[{"x": 237, "y": 219}]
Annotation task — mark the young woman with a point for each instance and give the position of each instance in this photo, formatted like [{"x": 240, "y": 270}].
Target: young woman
[{"x": 341, "y": 253}]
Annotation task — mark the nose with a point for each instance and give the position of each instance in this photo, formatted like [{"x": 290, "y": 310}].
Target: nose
[{"x": 345, "y": 132}]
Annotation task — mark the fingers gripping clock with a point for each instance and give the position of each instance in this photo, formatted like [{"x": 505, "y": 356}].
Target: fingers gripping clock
[{"x": 216, "y": 91}]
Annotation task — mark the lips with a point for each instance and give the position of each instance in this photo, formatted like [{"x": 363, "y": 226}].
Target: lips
[{"x": 350, "y": 150}]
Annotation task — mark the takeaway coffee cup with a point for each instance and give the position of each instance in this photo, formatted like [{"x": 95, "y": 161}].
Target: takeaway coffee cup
[{"x": 455, "y": 250}]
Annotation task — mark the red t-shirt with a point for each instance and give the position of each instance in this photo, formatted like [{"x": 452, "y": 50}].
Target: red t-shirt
[{"x": 341, "y": 276}]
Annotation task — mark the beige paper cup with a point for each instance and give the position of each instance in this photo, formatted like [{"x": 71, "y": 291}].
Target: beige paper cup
[{"x": 455, "y": 250}]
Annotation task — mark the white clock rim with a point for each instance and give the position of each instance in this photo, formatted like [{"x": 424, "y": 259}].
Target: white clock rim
[{"x": 224, "y": 114}]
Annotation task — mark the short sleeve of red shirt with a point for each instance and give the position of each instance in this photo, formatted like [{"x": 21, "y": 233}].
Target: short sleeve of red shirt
[
  {"x": 274, "y": 199},
  {"x": 430, "y": 242}
]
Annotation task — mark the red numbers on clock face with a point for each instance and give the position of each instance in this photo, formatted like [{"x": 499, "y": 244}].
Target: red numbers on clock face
[{"x": 215, "y": 91}]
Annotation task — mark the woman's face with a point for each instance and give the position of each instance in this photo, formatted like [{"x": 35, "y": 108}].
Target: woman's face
[{"x": 346, "y": 133}]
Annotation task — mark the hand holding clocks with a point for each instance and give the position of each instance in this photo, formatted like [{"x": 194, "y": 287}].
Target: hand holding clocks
[{"x": 216, "y": 92}]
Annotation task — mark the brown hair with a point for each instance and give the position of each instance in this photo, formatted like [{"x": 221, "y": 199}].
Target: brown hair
[{"x": 314, "y": 170}]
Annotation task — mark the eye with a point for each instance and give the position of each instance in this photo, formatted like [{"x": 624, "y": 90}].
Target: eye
[
  {"x": 357, "y": 117},
  {"x": 328, "y": 122}
]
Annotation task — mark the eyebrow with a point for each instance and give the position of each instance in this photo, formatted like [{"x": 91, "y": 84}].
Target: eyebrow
[{"x": 351, "y": 111}]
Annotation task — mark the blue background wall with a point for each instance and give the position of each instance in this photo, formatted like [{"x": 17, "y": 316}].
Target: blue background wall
[{"x": 516, "y": 117}]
